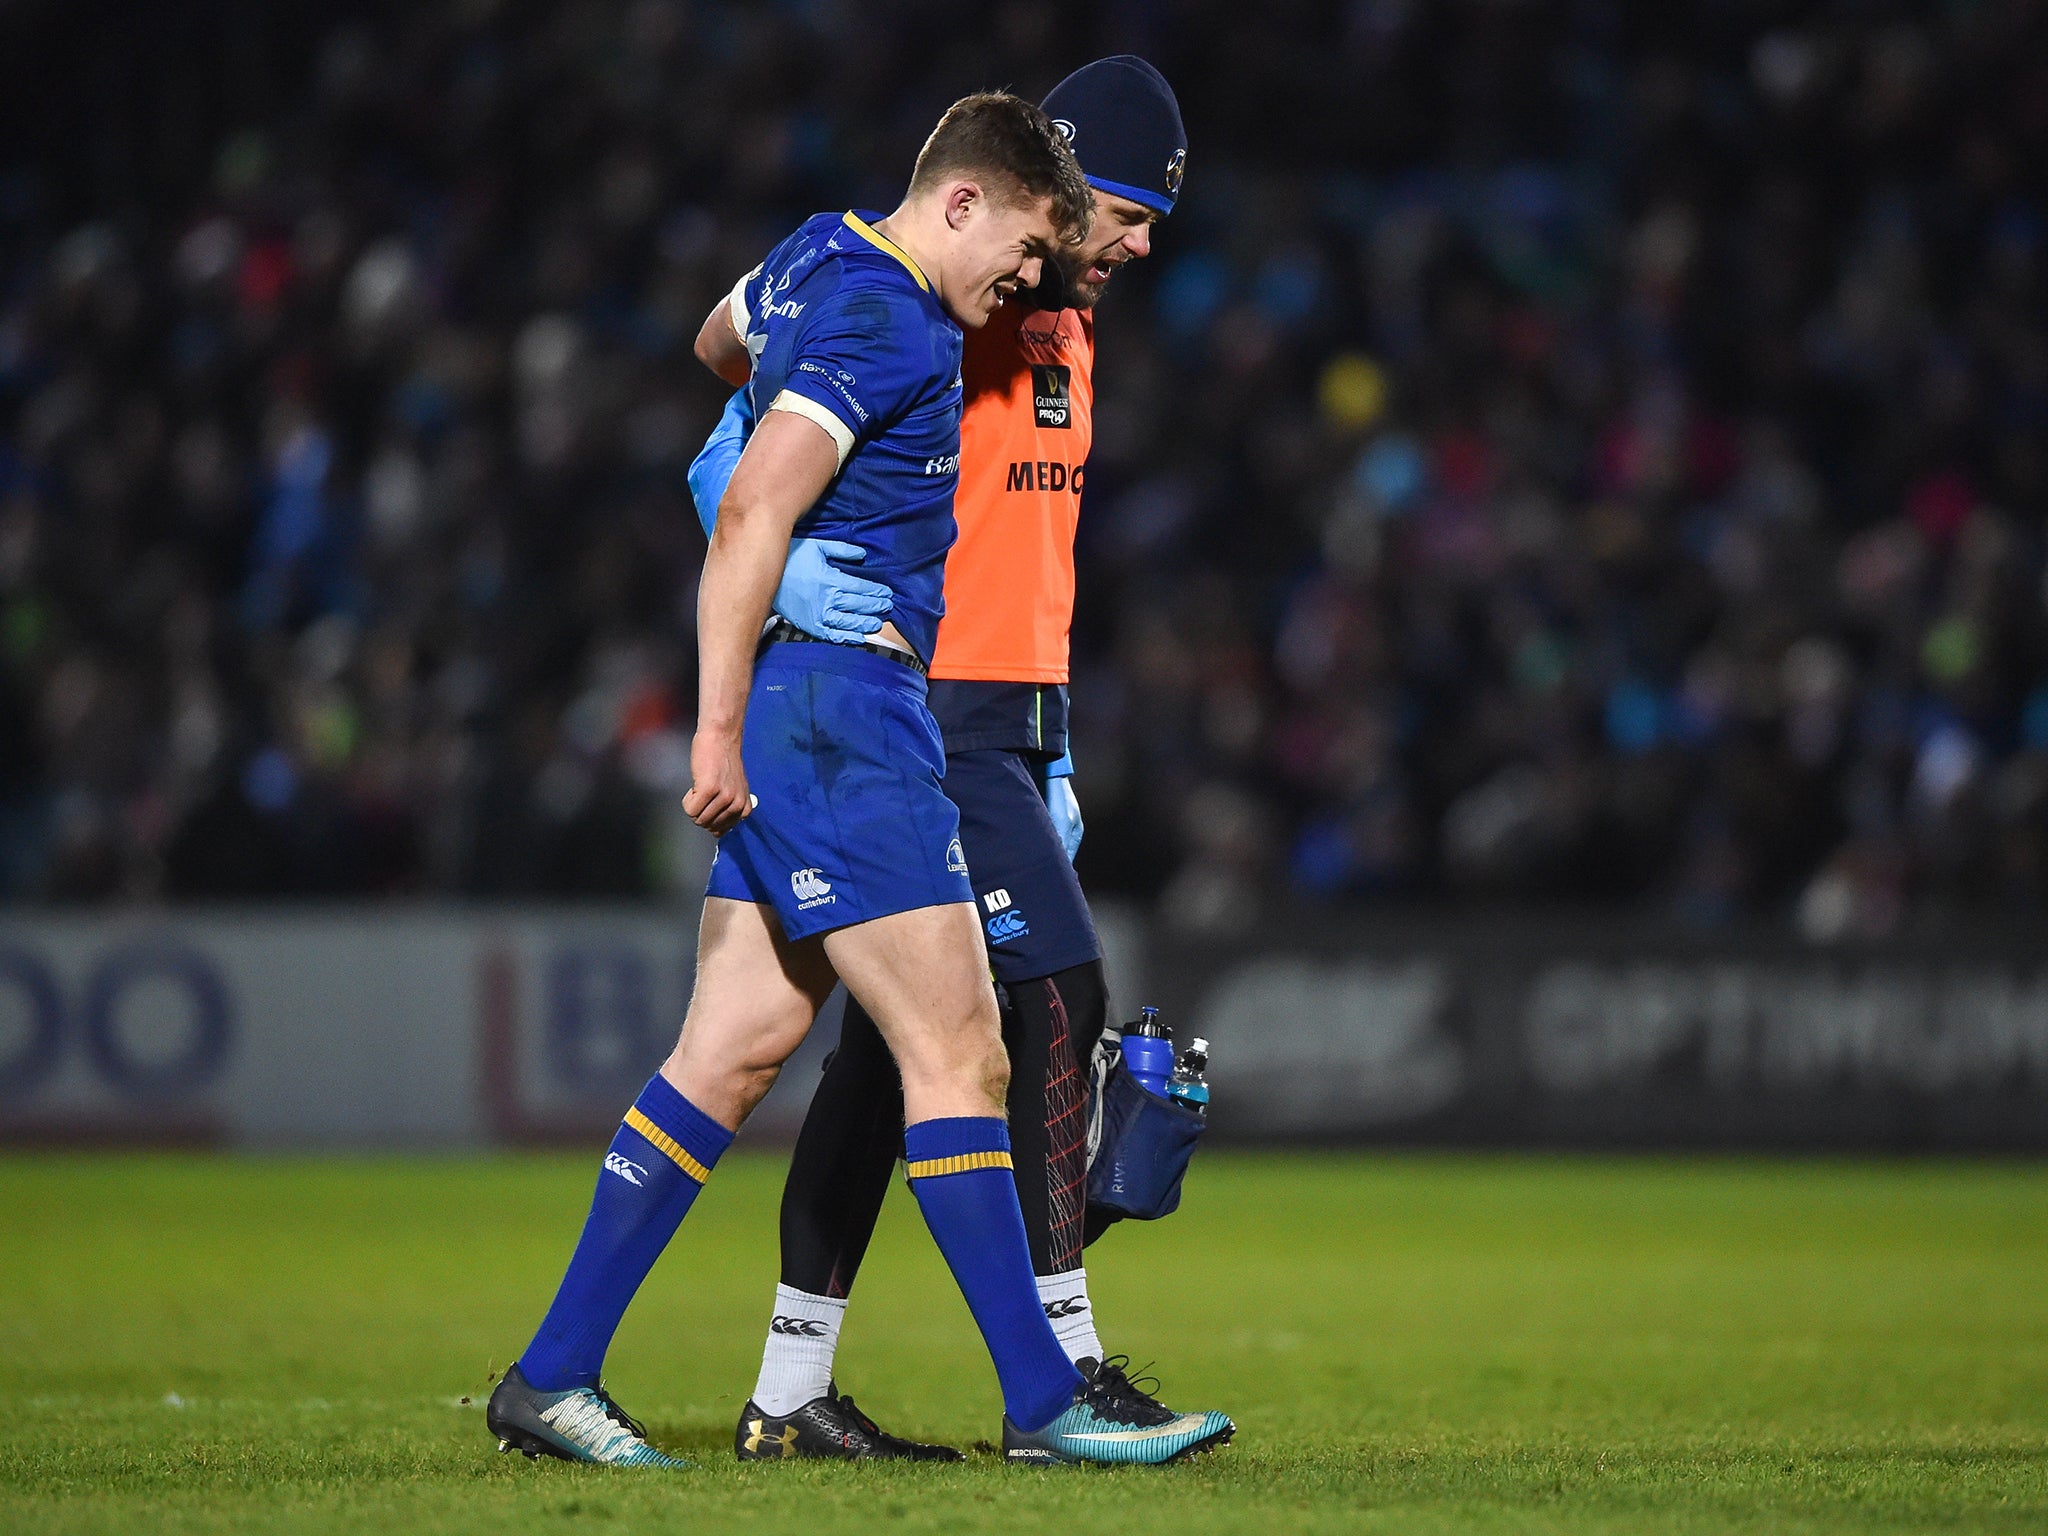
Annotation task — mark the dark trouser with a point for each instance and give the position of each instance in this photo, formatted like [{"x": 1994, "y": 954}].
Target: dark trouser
[{"x": 1043, "y": 949}]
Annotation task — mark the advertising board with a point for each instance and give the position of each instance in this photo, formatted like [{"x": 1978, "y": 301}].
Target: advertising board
[{"x": 1554, "y": 1032}]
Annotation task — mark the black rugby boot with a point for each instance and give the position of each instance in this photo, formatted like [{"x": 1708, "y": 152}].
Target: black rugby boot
[{"x": 828, "y": 1427}]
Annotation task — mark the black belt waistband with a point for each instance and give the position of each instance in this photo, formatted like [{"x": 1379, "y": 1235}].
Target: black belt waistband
[{"x": 782, "y": 632}]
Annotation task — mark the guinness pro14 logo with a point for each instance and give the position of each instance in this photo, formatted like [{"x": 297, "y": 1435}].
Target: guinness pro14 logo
[{"x": 1051, "y": 404}]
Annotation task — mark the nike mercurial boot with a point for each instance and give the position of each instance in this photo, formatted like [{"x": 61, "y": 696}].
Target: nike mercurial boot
[
  {"x": 581, "y": 1424},
  {"x": 1114, "y": 1422}
]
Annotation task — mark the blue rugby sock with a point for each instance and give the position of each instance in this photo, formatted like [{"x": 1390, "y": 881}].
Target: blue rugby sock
[
  {"x": 656, "y": 1164},
  {"x": 960, "y": 1171}
]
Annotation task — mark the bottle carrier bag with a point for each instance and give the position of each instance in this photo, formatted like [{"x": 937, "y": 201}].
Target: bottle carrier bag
[{"x": 1139, "y": 1144}]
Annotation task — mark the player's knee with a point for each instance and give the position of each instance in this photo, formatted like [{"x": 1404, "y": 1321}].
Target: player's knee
[
  {"x": 992, "y": 1072},
  {"x": 727, "y": 1060},
  {"x": 990, "y": 1067},
  {"x": 966, "y": 1056},
  {"x": 728, "y": 1091},
  {"x": 750, "y": 1083}
]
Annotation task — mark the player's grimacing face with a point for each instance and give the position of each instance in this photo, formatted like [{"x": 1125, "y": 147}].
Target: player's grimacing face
[
  {"x": 999, "y": 248},
  {"x": 1122, "y": 232}
]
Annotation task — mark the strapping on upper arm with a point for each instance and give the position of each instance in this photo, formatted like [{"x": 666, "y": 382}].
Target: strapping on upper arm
[
  {"x": 736, "y": 311},
  {"x": 802, "y": 405}
]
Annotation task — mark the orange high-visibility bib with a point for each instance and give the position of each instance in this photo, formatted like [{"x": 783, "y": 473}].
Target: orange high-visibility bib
[{"x": 1028, "y": 418}]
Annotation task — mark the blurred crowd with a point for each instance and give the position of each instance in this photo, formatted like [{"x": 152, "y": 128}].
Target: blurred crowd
[{"x": 1568, "y": 453}]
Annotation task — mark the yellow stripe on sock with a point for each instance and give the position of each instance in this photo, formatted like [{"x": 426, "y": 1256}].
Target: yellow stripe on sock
[
  {"x": 668, "y": 1145},
  {"x": 966, "y": 1162}
]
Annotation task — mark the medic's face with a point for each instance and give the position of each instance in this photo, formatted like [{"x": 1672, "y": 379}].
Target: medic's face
[{"x": 1122, "y": 232}]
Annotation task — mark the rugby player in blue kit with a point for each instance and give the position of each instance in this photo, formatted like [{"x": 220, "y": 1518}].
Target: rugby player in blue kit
[
  {"x": 818, "y": 765},
  {"x": 998, "y": 692}
]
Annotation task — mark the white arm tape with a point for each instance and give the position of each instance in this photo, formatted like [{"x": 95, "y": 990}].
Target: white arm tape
[
  {"x": 810, "y": 410},
  {"x": 736, "y": 305}
]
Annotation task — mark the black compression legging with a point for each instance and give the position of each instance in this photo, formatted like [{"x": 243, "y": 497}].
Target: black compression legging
[{"x": 853, "y": 1134}]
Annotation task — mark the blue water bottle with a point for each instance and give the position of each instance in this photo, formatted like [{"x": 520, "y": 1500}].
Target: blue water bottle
[{"x": 1148, "y": 1052}]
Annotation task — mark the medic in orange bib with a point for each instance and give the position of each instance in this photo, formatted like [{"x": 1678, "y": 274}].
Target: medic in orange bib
[{"x": 998, "y": 691}]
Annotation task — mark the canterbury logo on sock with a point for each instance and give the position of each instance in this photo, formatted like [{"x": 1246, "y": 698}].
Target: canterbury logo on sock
[
  {"x": 1066, "y": 1306},
  {"x": 625, "y": 1168},
  {"x": 799, "y": 1327}
]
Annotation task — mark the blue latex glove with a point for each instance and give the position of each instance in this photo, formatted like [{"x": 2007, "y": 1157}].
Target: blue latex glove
[
  {"x": 820, "y": 599},
  {"x": 815, "y": 595},
  {"x": 711, "y": 470},
  {"x": 1065, "y": 808}
]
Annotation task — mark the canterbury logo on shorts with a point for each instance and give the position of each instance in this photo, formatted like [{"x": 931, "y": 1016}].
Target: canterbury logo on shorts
[{"x": 810, "y": 889}]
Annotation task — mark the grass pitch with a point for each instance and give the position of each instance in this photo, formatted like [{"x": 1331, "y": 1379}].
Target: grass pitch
[{"x": 1409, "y": 1344}]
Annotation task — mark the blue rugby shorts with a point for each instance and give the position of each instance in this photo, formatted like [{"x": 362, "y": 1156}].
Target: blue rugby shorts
[
  {"x": 852, "y": 822},
  {"x": 1033, "y": 915}
]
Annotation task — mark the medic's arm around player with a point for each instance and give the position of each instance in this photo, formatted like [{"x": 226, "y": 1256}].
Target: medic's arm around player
[{"x": 815, "y": 594}]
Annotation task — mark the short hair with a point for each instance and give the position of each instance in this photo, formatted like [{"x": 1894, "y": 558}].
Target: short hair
[{"x": 1010, "y": 143}]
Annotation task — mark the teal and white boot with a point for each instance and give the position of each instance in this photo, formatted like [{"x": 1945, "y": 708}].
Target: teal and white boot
[
  {"x": 1113, "y": 1422},
  {"x": 581, "y": 1424}
]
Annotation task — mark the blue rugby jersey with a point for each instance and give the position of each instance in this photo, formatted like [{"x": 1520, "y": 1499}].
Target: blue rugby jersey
[{"x": 844, "y": 329}]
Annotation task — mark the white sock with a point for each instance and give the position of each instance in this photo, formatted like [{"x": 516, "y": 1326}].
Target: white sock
[
  {"x": 803, "y": 1336},
  {"x": 1065, "y": 1299}
]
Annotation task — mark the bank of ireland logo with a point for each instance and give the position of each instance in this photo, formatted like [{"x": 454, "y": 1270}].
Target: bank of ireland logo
[
  {"x": 956, "y": 857},
  {"x": 810, "y": 889},
  {"x": 1063, "y": 128}
]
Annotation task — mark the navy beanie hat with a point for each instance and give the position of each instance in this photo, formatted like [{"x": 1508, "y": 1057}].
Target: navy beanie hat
[{"x": 1124, "y": 124}]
